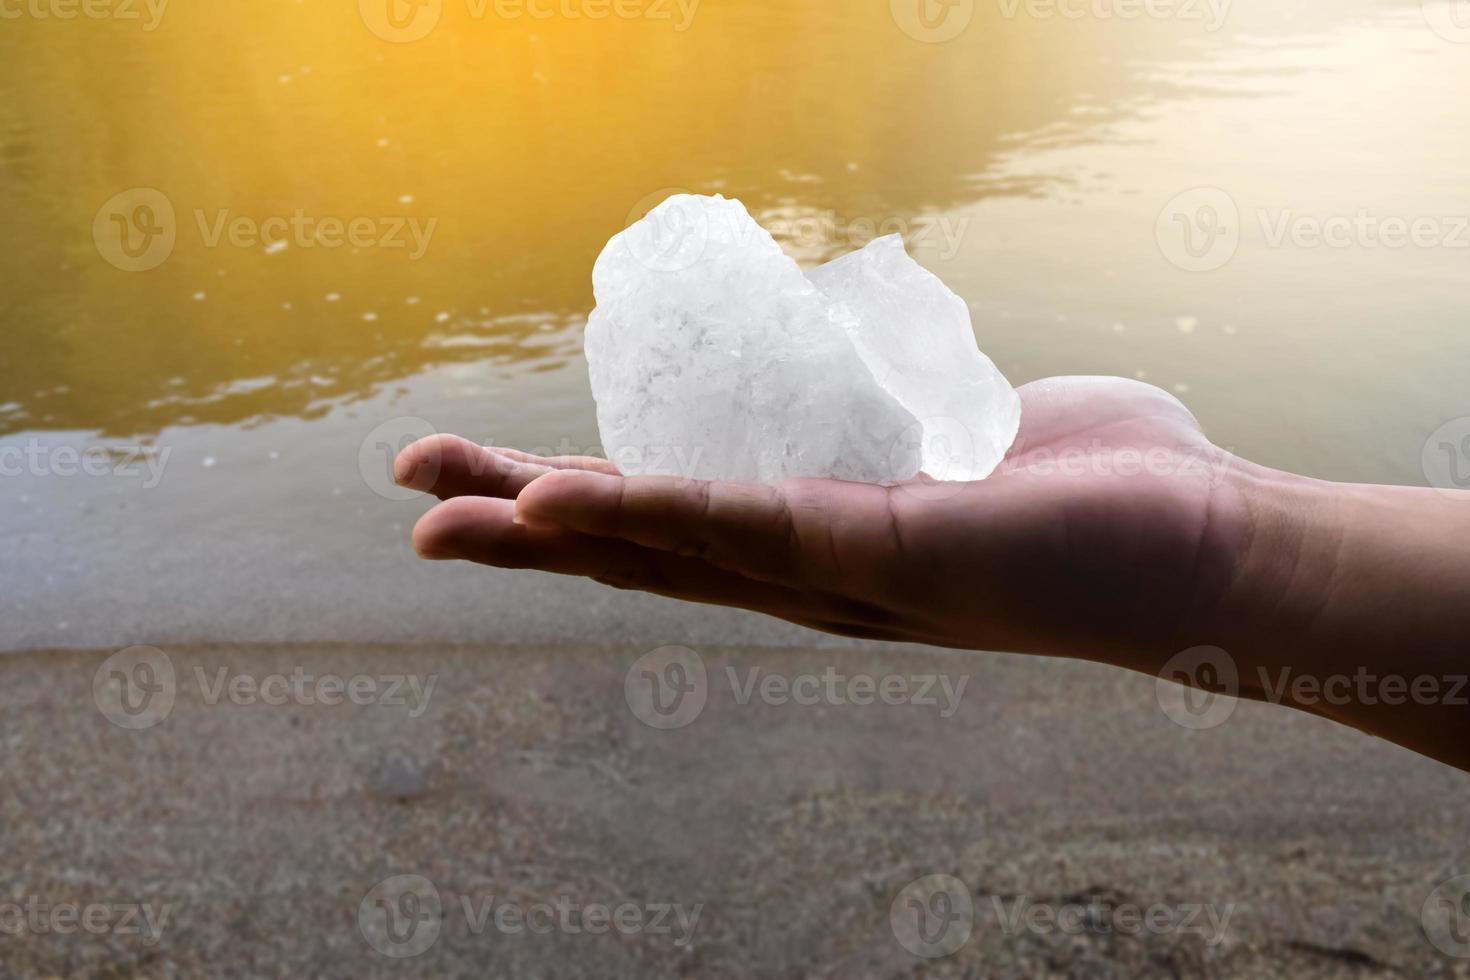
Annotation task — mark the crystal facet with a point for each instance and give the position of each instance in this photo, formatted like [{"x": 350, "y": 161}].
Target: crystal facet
[
  {"x": 914, "y": 334},
  {"x": 713, "y": 357}
]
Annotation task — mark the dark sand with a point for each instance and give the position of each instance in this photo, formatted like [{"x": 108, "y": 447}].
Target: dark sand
[{"x": 529, "y": 779}]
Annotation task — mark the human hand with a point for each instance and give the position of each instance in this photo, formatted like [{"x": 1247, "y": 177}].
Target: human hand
[{"x": 1111, "y": 532}]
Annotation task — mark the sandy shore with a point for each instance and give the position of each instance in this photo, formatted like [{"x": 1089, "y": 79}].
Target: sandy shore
[{"x": 785, "y": 833}]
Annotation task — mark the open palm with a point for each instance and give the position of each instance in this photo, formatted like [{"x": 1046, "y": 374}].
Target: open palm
[{"x": 1111, "y": 530}]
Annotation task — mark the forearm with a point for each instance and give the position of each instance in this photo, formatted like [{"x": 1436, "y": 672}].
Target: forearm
[{"x": 1353, "y": 602}]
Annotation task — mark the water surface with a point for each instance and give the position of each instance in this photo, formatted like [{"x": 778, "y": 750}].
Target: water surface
[{"x": 1071, "y": 176}]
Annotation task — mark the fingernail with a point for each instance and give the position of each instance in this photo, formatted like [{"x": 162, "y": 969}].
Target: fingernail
[
  {"x": 405, "y": 468},
  {"x": 535, "y": 523}
]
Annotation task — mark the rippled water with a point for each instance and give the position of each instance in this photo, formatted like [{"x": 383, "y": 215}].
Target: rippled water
[{"x": 1113, "y": 194}]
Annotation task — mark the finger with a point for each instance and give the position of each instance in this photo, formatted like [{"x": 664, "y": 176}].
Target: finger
[
  {"x": 482, "y": 530},
  {"x": 449, "y": 466},
  {"x": 594, "y": 463},
  {"x": 780, "y": 535}
]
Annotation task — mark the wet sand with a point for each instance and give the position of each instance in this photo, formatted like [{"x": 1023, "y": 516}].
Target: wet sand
[{"x": 524, "y": 776}]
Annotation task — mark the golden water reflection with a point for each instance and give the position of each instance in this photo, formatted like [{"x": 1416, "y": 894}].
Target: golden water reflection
[{"x": 482, "y": 169}]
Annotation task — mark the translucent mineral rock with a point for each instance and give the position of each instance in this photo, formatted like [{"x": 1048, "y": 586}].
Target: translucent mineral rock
[
  {"x": 914, "y": 334},
  {"x": 713, "y": 357}
]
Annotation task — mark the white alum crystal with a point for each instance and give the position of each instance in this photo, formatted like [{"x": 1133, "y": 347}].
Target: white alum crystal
[
  {"x": 914, "y": 334},
  {"x": 713, "y": 357}
]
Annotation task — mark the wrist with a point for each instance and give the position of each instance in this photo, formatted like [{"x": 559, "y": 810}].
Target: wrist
[
  {"x": 1335, "y": 578},
  {"x": 1291, "y": 543}
]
